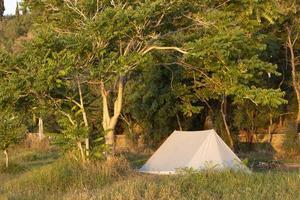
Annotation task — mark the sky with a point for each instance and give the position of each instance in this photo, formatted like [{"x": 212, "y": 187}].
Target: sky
[{"x": 10, "y": 6}]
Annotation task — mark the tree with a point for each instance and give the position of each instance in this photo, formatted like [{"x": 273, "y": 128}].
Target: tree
[
  {"x": 226, "y": 57},
  {"x": 12, "y": 130},
  {"x": 57, "y": 85},
  {"x": 152, "y": 101},
  {"x": 2, "y": 9},
  {"x": 17, "y": 10},
  {"x": 286, "y": 32},
  {"x": 292, "y": 44},
  {"x": 107, "y": 41},
  {"x": 13, "y": 122},
  {"x": 181, "y": 57}
]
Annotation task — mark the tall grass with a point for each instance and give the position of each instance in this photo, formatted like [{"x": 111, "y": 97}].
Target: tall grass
[
  {"x": 70, "y": 180},
  {"x": 65, "y": 175},
  {"x": 207, "y": 185}
]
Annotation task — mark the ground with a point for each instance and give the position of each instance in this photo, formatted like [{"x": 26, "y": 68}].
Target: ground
[{"x": 48, "y": 174}]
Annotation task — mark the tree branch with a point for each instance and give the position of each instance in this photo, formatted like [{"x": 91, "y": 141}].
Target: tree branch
[
  {"x": 61, "y": 111},
  {"x": 118, "y": 103},
  {"x": 198, "y": 70},
  {"x": 163, "y": 48},
  {"x": 75, "y": 102},
  {"x": 82, "y": 105},
  {"x": 106, "y": 117},
  {"x": 75, "y": 9},
  {"x": 68, "y": 116}
]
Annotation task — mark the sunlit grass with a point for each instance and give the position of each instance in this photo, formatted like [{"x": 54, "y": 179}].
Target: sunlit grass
[{"x": 64, "y": 178}]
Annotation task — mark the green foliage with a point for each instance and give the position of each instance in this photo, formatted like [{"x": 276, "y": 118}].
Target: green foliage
[
  {"x": 226, "y": 58},
  {"x": 71, "y": 134},
  {"x": 150, "y": 101},
  {"x": 98, "y": 147},
  {"x": 179, "y": 59},
  {"x": 12, "y": 129}
]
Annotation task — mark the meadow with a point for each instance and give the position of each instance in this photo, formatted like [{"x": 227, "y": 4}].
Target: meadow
[
  {"x": 87, "y": 73},
  {"x": 50, "y": 175}
]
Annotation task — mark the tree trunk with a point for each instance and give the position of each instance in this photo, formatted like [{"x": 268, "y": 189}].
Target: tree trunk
[
  {"x": 81, "y": 151},
  {"x": 6, "y": 158},
  {"x": 208, "y": 123},
  {"x": 84, "y": 116},
  {"x": 2, "y": 9},
  {"x": 290, "y": 44},
  {"x": 41, "y": 129},
  {"x": 270, "y": 128},
  {"x": 109, "y": 123},
  {"x": 223, "y": 113},
  {"x": 178, "y": 122},
  {"x": 87, "y": 147},
  {"x": 110, "y": 138}
]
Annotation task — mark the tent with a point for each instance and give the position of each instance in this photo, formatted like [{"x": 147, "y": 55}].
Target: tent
[{"x": 197, "y": 150}]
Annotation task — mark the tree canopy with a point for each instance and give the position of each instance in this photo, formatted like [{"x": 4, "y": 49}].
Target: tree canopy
[{"x": 99, "y": 68}]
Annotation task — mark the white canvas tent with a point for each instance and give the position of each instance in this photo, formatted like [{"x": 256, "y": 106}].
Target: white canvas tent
[{"x": 192, "y": 149}]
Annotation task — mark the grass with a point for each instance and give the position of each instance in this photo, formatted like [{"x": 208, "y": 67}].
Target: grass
[
  {"x": 208, "y": 185},
  {"x": 46, "y": 175}
]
